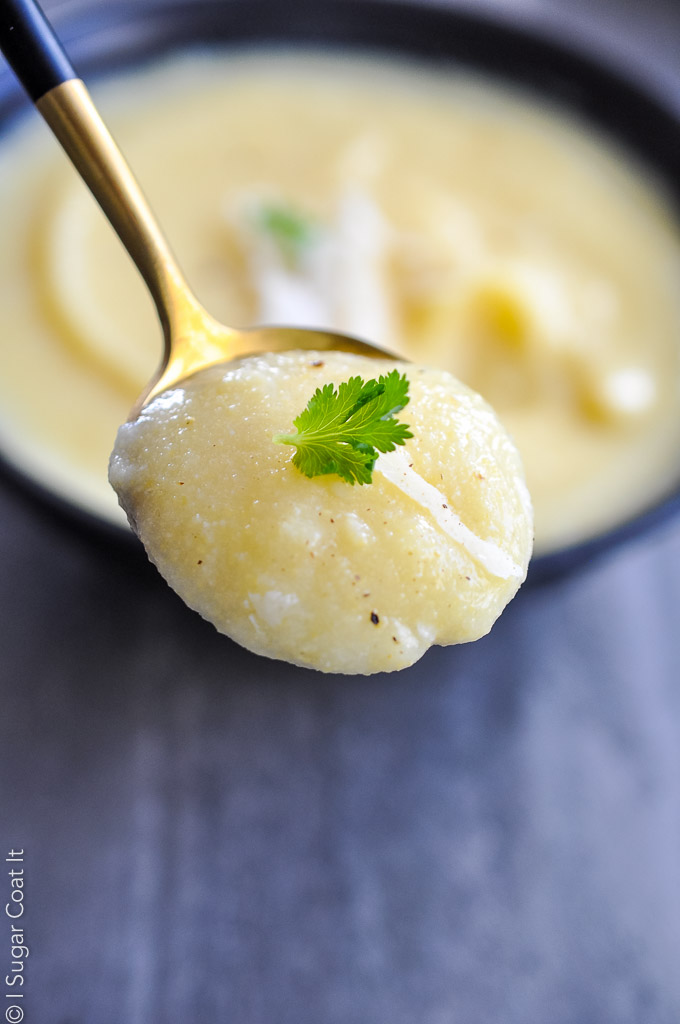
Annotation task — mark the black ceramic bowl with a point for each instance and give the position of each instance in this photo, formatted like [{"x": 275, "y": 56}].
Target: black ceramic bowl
[{"x": 103, "y": 37}]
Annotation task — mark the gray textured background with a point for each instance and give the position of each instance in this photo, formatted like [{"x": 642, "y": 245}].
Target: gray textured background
[{"x": 493, "y": 836}]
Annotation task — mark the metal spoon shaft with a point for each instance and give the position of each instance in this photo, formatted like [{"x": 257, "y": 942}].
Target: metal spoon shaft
[
  {"x": 35, "y": 54},
  {"x": 72, "y": 116}
]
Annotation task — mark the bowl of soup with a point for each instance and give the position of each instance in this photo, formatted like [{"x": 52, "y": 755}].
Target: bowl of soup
[{"x": 471, "y": 194}]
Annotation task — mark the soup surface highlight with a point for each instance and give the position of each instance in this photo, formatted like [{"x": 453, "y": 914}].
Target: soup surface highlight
[{"x": 451, "y": 220}]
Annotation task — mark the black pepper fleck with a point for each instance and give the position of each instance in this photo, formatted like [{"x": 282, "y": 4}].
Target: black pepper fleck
[{"x": 374, "y": 619}]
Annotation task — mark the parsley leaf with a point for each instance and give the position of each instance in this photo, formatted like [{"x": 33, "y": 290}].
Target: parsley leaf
[
  {"x": 342, "y": 431},
  {"x": 291, "y": 231}
]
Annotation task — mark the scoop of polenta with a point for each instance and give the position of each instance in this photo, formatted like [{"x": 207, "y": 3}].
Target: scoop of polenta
[{"x": 340, "y": 578}]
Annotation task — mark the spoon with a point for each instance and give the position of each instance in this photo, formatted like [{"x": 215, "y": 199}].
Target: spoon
[{"x": 193, "y": 339}]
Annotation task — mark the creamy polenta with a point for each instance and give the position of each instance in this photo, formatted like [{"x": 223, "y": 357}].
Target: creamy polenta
[
  {"x": 333, "y": 576},
  {"x": 454, "y": 222}
]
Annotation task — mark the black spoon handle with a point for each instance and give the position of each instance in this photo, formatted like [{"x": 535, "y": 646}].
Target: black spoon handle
[{"x": 31, "y": 48}]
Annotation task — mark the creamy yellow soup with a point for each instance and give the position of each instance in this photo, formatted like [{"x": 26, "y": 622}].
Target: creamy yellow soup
[
  {"x": 457, "y": 223},
  {"x": 354, "y": 578}
]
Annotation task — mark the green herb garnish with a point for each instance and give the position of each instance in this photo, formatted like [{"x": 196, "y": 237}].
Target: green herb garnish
[
  {"x": 291, "y": 230},
  {"x": 342, "y": 431}
]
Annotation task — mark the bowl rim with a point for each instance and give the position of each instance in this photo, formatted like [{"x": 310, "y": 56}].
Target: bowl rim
[{"x": 577, "y": 70}]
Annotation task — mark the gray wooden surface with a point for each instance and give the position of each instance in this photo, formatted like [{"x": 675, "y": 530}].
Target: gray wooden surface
[{"x": 492, "y": 836}]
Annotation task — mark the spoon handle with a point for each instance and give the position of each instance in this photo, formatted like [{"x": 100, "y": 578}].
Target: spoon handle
[
  {"x": 31, "y": 48},
  {"x": 34, "y": 52}
]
